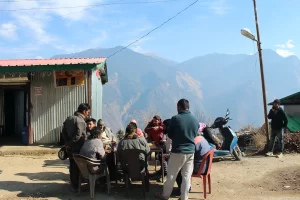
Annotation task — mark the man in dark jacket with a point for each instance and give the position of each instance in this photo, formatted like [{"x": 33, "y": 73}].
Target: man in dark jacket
[
  {"x": 278, "y": 123},
  {"x": 182, "y": 131},
  {"x": 74, "y": 133}
]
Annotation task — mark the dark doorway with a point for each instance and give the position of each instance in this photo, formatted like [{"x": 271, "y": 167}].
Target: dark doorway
[
  {"x": 14, "y": 113},
  {"x": 9, "y": 112}
]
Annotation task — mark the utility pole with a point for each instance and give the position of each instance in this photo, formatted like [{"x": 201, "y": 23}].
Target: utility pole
[{"x": 261, "y": 72}]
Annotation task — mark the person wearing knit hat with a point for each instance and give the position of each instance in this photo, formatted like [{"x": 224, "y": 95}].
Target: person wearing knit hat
[
  {"x": 107, "y": 135},
  {"x": 279, "y": 122},
  {"x": 139, "y": 132}
]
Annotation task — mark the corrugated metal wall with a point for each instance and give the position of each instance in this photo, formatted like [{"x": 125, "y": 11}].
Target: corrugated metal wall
[
  {"x": 292, "y": 110},
  {"x": 50, "y": 109},
  {"x": 97, "y": 93}
]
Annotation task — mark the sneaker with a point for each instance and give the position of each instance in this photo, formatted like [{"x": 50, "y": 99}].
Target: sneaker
[
  {"x": 269, "y": 154},
  {"x": 280, "y": 155}
]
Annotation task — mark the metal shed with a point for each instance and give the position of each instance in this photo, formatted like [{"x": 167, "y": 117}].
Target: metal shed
[
  {"x": 291, "y": 105},
  {"x": 36, "y": 95}
]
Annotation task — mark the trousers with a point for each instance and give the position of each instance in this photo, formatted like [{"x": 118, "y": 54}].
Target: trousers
[
  {"x": 179, "y": 162},
  {"x": 74, "y": 173},
  {"x": 279, "y": 134}
]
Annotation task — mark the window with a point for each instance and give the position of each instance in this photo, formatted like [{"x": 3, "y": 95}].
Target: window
[{"x": 68, "y": 78}]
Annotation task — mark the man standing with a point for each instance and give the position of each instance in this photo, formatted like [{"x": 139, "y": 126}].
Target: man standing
[
  {"x": 278, "y": 123},
  {"x": 74, "y": 133},
  {"x": 182, "y": 130}
]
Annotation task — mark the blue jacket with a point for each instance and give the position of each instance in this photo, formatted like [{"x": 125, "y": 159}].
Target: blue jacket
[{"x": 182, "y": 130}]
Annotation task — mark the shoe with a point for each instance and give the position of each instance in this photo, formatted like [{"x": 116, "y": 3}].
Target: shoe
[
  {"x": 280, "y": 155},
  {"x": 269, "y": 154},
  {"x": 178, "y": 193}
]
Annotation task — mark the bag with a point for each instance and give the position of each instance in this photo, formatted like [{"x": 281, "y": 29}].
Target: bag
[{"x": 63, "y": 154}]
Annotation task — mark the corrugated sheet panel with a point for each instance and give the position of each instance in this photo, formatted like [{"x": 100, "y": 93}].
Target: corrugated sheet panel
[
  {"x": 50, "y": 109},
  {"x": 294, "y": 123},
  {"x": 51, "y": 61},
  {"x": 97, "y": 93}
]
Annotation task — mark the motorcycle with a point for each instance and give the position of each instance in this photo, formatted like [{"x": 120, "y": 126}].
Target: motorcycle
[{"x": 230, "y": 139}]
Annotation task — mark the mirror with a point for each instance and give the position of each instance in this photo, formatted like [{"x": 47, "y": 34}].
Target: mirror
[{"x": 227, "y": 112}]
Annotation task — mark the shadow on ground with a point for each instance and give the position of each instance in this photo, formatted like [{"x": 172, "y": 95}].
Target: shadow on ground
[
  {"x": 56, "y": 163},
  {"x": 61, "y": 190},
  {"x": 46, "y": 176}
]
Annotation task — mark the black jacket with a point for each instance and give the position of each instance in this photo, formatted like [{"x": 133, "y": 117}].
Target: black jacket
[{"x": 279, "y": 119}]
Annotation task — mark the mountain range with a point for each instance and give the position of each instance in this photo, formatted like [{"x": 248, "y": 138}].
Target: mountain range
[{"x": 142, "y": 85}]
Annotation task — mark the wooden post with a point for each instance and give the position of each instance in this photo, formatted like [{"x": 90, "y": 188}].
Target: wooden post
[{"x": 261, "y": 72}]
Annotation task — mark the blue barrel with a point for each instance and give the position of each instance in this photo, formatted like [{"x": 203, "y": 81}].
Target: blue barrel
[{"x": 24, "y": 135}]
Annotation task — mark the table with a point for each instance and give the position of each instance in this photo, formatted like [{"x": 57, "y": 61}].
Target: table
[{"x": 157, "y": 149}]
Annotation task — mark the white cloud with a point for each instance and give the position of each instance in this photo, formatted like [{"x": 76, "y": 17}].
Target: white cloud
[
  {"x": 219, "y": 7},
  {"x": 8, "y": 31},
  {"x": 280, "y": 45},
  {"x": 284, "y": 49},
  {"x": 284, "y": 52},
  {"x": 35, "y": 22},
  {"x": 137, "y": 48},
  {"x": 41, "y": 27},
  {"x": 289, "y": 44}
]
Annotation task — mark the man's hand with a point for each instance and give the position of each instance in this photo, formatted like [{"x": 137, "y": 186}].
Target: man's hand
[
  {"x": 155, "y": 128},
  {"x": 107, "y": 151}
]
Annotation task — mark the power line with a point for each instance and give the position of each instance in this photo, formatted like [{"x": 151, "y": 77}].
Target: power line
[
  {"x": 190, "y": 5},
  {"x": 87, "y": 6},
  {"x": 11, "y": 1}
]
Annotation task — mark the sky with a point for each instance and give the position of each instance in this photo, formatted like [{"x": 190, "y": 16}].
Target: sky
[{"x": 44, "y": 28}]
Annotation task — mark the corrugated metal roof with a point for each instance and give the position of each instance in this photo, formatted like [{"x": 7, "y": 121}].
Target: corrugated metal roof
[
  {"x": 51, "y": 61},
  {"x": 293, "y": 99},
  {"x": 294, "y": 123}
]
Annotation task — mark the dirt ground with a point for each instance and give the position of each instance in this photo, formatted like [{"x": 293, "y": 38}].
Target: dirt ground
[{"x": 254, "y": 178}]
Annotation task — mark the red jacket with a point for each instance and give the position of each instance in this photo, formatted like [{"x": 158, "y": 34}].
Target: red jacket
[{"x": 155, "y": 135}]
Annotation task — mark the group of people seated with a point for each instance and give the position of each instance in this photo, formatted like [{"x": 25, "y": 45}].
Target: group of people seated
[{"x": 98, "y": 142}]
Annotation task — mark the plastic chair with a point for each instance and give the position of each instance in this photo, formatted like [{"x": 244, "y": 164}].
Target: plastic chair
[
  {"x": 85, "y": 166},
  {"x": 135, "y": 169},
  {"x": 204, "y": 171}
]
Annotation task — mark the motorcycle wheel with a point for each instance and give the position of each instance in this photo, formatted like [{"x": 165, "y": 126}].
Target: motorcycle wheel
[{"x": 237, "y": 153}]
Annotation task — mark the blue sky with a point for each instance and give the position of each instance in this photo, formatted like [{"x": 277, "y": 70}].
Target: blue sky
[{"x": 210, "y": 26}]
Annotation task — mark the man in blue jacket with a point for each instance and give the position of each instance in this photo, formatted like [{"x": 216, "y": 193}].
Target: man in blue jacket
[
  {"x": 278, "y": 123},
  {"x": 182, "y": 130}
]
